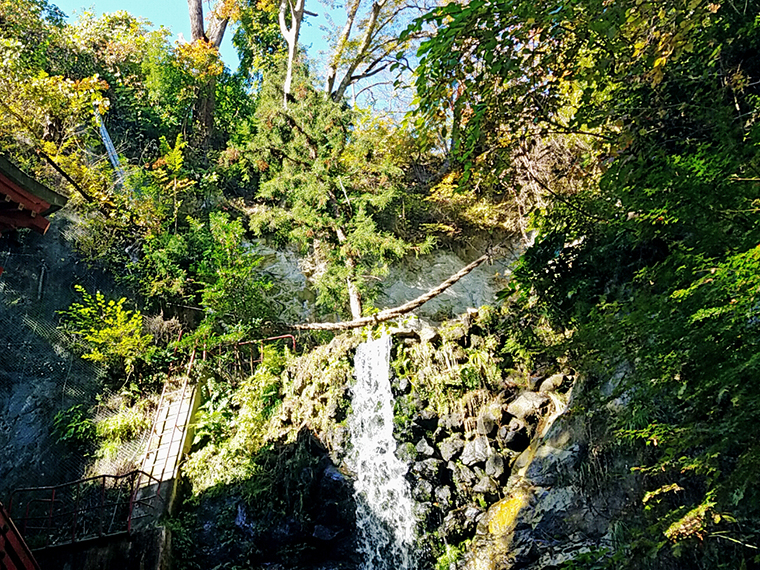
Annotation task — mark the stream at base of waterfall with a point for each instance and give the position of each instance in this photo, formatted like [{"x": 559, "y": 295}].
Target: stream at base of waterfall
[{"x": 384, "y": 509}]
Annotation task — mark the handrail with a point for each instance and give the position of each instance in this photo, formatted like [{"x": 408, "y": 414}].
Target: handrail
[
  {"x": 77, "y": 482},
  {"x": 73, "y": 515}
]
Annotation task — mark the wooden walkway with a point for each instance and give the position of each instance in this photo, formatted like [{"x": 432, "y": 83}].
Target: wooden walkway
[{"x": 169, "y": 439}]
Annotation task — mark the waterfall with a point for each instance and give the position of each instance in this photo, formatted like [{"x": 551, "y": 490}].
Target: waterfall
[{"x": 384, "y": 509}]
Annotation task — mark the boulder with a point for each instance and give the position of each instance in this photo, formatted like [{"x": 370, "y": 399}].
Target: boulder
[
  {"x": 406, "y": 452},
  {"x": 423, "y": 491},
  {"x": 486, "y": 486},
  {"x": 424, "y": 448},
  {"x": 462, "y": 476},
  {"x": 453, "y": 422},
  {"x": 429, "y": 334},
  {"x": 552, "y": 383},
  {"x": 486, "y": 424},
  {"x": 527, "y": 405},
  {"x": 456, "y": 527},
  {"x": 428, "y": 469},
  {"x": 472, "y": 515},
  {"x": 495, "y": 466},
  {"x": 476, "y": 451},
  {"x": 514, "y": 436},
  {"x": 450, "y": 447},
  {"x": 443, "y": 496}
]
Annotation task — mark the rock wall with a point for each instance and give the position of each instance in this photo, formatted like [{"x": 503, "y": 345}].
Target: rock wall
[
  {"x": 38, "y": 375},
  {"x": 506, "y": 472},
  {"x": 411, "y": 278}
]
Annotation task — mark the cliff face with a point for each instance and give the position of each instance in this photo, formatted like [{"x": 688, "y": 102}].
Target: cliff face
[
  {"x": 39, "y": 375},
  {"x": 505, "y": 469}
]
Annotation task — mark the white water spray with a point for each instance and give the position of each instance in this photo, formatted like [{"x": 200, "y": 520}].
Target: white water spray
[{"x": 384, "y": 513}]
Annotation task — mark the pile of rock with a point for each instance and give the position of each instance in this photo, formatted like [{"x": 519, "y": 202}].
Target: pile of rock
[{"x": 460, "y": 464}]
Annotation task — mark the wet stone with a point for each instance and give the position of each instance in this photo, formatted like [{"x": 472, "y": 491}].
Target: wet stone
[
  {"x": 463, "y": 476},
  {"x": 424, "y": 448},
  {"x": 475, "y": 451},
  {"x": 451, "y": 447},
  {"x": 527, "y": 405},
  {"x": 406, "y": 452},
  {"x": 443, "y": 496},
  {"x": 487, "y": 486},
  {"x": 428, "y": 469},
  {"x": 495, "y": 466},
  {"x": 423, "y": 491}
]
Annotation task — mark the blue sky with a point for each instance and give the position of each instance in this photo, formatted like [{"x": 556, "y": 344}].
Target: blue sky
[{"x": 173, "y": 14}]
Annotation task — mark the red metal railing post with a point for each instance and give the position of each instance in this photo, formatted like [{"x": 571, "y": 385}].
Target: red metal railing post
[
  {"x": 102, "y": 506},
  {"x": 26, "y": 515},
  {"x": 50, "y": 518}
]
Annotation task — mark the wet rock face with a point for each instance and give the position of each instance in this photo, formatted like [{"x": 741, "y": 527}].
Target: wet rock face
[
  {"x": 564, "y": 485},
  {"x": 311, "y": 529},
  {"x": 462, "y": 461}
]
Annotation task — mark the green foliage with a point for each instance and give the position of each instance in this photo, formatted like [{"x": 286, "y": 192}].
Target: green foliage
[
  {"x": 124, "y": 425},
  {"x": 258, "y": 39},
  {"x": 74, "y": 428},
  {"x": 184, "y": 548},
  {"x": 451, "y": 555},
  {"x": 227, "y": 269},
  {"x": 652, "y": 261},
  {"x": 327, "y": 184},
  {"x": 215, "y": 418},
  {"x": 106, "y": 331}
]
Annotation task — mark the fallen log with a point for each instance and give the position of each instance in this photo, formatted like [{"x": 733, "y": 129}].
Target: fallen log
[{"x": 389, "y": 314}]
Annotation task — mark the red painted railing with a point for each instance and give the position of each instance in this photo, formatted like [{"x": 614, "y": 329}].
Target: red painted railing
[
  {"x": 14, "y": 553},
  {"x": 81, "y": 510}
]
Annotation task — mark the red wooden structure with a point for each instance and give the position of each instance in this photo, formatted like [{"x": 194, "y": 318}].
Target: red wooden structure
[
  {"x": 24, "y": 202},
  {"x": 14, "y": 553}
]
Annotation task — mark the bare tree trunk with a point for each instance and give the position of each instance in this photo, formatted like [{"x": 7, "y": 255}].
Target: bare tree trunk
[
  {"x": 354, "y": 296},
  {"x": 332, "y": 69},
  {"x": 196, "y": 19},
  {"x": 369, "y": 30},
  {"x": 205, "y": 103},
  {"x": 396, "y": 312},
  {"x": 291, "y": 36}
]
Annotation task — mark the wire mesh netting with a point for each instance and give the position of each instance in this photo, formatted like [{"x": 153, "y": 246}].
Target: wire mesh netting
[{"x": 39, "y": 376}]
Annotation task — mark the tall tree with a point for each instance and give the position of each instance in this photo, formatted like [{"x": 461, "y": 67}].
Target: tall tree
[
  {"x": 369, "y": 40},
  {"x": 207, "y": 39},
  {"x": 290, "y": 31},
  {"x": 328, "y": 184}
]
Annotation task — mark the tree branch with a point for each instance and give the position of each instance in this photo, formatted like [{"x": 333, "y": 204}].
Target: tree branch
[{"x": 396, "y": 312}]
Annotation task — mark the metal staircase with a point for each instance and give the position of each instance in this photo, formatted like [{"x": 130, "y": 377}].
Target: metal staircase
[
  {"x": 112, "y": 505},
  {"x": 81, "y": 510},
  {"x": 14, "y": 553}
]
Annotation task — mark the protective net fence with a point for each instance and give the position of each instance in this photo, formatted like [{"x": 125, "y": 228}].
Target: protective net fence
[{"x": 39, "y": 375}]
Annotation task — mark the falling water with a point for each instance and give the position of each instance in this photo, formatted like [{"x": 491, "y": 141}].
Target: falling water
[{"x": 384, "y": 516}]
